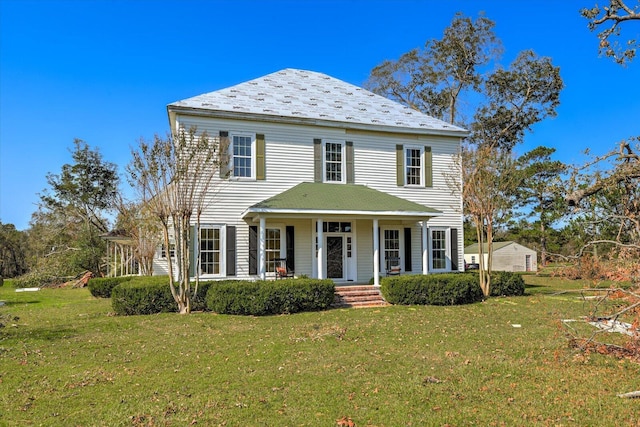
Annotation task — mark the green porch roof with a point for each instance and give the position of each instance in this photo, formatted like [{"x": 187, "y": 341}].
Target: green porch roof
[{"x": 339, "y": 199}]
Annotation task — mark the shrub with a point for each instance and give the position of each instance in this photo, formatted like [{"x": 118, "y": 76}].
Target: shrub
[
  {"x": 506, "y": 283},
  {"x": 1, "y": 281},
  {"x": 270, "y": 297},
  {"x": 143, "y": 295},
  {"x": 432, "y": 289},
  {"x": 199, "y": 302},
  {"x": 101, "y": 287}
]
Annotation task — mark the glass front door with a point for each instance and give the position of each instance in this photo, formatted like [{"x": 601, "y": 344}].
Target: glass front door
[{"x": 335, "y": 257}]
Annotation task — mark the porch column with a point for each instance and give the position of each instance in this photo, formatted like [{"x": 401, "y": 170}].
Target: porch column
[
  {"x": 320, "y": 259},
  {"x": 425, "y": 248},
  {"x": 376, "y": 254},
  {"x": 262, "y": 265},
  {"x": 108, "y": 260}
]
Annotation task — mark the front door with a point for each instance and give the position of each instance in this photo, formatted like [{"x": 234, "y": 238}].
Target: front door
[{"x": 335, "y": 257}]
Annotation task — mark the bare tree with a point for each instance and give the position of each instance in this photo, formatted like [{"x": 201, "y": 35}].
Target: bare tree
[
  {"x": 607, "y": 20},
  {"x": 174, "y": 176},
  {"x": 490, "y": 179}
]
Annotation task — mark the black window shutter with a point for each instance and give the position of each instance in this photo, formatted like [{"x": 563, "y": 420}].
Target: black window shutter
[
  {"x": 428, "y": 167},
  {"x": 260, "y": 157},
  {"x": 224, "y": 166},
  {"x": 253, "y": 249},
  {"x": 407, "y": 249},
  {"x": 291, "y": 264},
  {"x": 231, "y": 250},
  {"x": 194, "y": 241},
  {"x": 454, "y": 249},
  {"x": 349, "y": 163},
  {"x": 317, "y": 160},
  {"x": 399, "y": 165}
]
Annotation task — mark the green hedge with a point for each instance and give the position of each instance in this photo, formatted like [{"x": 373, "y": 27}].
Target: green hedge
[
  {"x": 506, "y": 283},
  {"x": 101, "y": 287},
  {"x": 261, "y": 298},
  {"x": 152, "y": 294},
  {"x": 143, "y": 296},
  {"x": 432, "y": 289}
]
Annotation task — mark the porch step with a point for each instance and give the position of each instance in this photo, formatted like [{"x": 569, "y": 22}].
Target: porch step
[{"x": 358, "y": 296}]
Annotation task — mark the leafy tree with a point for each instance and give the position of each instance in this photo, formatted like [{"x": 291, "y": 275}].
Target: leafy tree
[
  {"x": 13, "y": 260},
  {"x": 88, "y": 186},
  {"x": 607, "y": 20},
  {"x": 173, "y": 177},
  {"x": 542, "y": 190},
  {"x": 434, "y": 79},
  {"x": 74, "y": 210},
  {"x": 447, "y": 74}
]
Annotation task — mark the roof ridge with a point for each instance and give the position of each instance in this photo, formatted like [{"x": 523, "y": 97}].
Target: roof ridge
[{"x": 297, "y": 94}]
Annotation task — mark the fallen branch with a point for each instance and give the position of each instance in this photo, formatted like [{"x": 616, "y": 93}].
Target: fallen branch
[{"x": 630, "y": 395}]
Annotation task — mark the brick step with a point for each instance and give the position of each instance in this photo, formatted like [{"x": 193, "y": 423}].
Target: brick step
[{"x": 358, "y": 297}]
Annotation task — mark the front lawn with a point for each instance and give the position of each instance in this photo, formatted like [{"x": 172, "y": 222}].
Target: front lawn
[{"x": 67, "y": 360}]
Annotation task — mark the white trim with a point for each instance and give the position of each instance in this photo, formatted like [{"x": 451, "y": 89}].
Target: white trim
[
  {"x": 376, "y": 253},
  {"x": 400, "y": 230},
  {"x": 422, "y": 161},
  {"x": 232, "y": 175},
  {"x": 343, "y": 162},
  {"x": 222, "y": 263},
  {"x": 377, "y": 214},
  {"x": 447, "y": 249}
]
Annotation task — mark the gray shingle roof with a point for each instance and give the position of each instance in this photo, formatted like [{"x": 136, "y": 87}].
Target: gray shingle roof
[{"x": 307, "y": 95}]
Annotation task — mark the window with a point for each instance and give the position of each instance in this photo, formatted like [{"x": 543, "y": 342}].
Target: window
[
  {"x": 243, "y": 156},
  {"x": 333, "y": 162},
  {"x": 273, "y": 245},
  {"x": 413, "y": 165},
  {"x": 172, "y": 250},
  {"x": 210, "y": 251},
  {"x": 438, "y": 249},
  {"x": 391, "y": 244}
]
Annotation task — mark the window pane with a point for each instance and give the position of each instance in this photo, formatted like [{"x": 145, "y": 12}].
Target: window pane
[
  {"x": 272, "y": 246},
  {"x": 413, "y": 166},
  {"x": 391, "y": 244},
  {"x": 333, "y": 161},
  {"x": 210, "y": 251},
  {"x": 242, "y": 156},
  {"x": 438, "y": 249}
]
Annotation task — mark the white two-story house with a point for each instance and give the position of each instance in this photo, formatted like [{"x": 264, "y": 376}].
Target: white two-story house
[{"x": 333, "y": 178}]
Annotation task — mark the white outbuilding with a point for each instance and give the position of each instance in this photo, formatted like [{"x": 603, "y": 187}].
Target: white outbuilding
[{"x": 507, "y": 256}]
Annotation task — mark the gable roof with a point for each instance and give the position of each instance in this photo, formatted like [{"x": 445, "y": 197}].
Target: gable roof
[
  {"x": 345, "y": 199},
  {"x": 306, "y": 96},
  {"x": 473, "y": 249}
]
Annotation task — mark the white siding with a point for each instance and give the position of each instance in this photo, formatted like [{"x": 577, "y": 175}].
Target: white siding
[{"x": 290, "y": 160}]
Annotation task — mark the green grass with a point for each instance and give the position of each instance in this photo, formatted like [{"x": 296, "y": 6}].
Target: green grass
[{"x": 68, "y": 361}]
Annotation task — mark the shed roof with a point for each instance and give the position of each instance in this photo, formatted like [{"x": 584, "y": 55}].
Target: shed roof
[
  {"x": 300, "y": 95},
  {"x": 473, "y": 249},
  {"x": 343, "y": 199}
]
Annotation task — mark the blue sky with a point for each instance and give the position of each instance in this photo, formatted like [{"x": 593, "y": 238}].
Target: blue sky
[{"x": 104, "y": 71}]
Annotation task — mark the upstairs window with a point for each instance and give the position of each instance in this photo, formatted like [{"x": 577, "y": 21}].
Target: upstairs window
[
  {"x": 333, "y": 162},
  {"x": 243, "y": 156},
  {"x": 413, "y": 166}
]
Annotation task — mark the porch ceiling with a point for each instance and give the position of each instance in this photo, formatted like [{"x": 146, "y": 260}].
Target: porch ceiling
[{"x": 317, "y": 199}]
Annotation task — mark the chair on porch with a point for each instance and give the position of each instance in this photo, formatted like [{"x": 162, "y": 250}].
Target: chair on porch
[
  {"x": 392, "y": 266},
  {"x": 282, "y": 271}
]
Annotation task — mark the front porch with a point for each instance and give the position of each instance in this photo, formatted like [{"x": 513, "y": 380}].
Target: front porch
[{"x": 342, "y": 232}]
